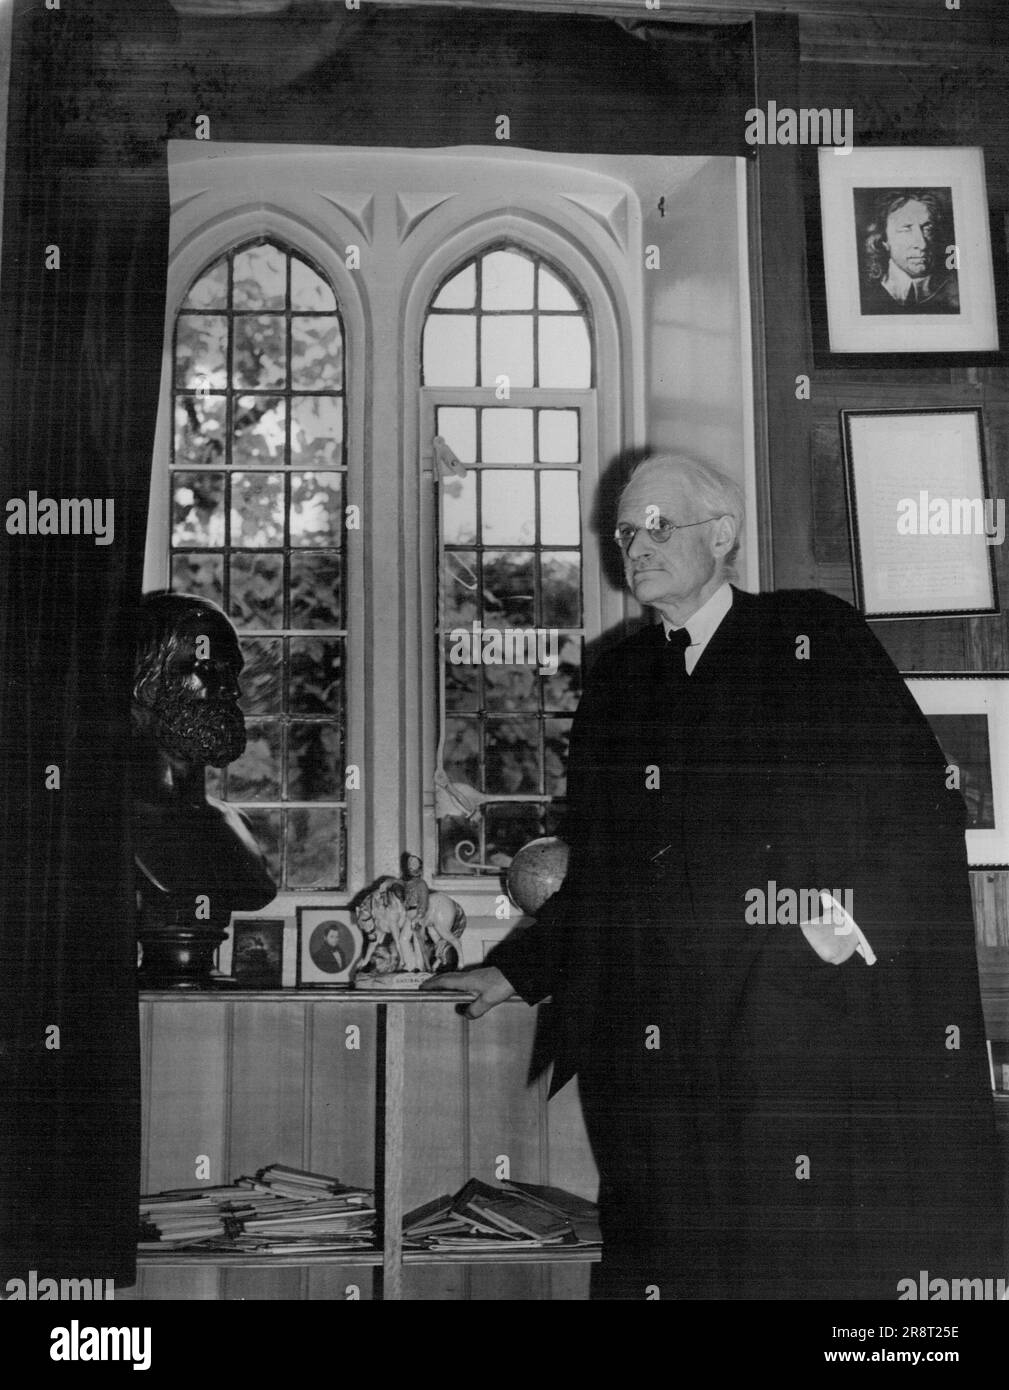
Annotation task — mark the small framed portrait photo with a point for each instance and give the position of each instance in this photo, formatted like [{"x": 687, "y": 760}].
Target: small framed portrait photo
[
  {"x": 330, "y": 945},
  {"x": 907, "y": 256},
  {"x": 257, "y": 952},
  {"x": 969, "y": 715}
]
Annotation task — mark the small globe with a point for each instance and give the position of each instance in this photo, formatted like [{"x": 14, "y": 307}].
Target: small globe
[{"x": 536, "y": 873}]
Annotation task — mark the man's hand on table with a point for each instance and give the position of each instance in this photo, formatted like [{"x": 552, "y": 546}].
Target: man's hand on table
[{"x": 486, "y": 982}]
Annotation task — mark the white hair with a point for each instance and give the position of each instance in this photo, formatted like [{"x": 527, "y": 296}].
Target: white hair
[{"x": 715, "y": 492}]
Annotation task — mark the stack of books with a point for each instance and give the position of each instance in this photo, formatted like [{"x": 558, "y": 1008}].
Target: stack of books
[
  {"x": 512, "y": 1216},
  {"x": 186, "y": 1216},
  {"x": 281, "y": 1210}
]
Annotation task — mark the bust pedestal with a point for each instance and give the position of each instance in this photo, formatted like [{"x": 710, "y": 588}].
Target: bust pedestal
[
  {"x": 178, "y": 952},
  {"x": 197, "y": 864}
]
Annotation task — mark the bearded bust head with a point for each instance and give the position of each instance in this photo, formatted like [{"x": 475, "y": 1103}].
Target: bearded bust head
[{"x": 185, "y": 684}]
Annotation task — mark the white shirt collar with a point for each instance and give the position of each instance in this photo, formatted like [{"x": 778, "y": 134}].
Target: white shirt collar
[
  {"x": 897, "y": 283},
  {"x": 702, "y": 625}
]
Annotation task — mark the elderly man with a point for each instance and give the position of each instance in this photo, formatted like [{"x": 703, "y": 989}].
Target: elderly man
[{"x": 762, "y": 958}]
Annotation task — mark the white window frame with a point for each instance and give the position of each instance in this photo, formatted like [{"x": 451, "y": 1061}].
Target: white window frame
[
  {"x": 188, "y": 259},
  {"x": 586, "y": 404},
  {"x": 416, "y": 215},
  {"x": 614, "y": 404}
]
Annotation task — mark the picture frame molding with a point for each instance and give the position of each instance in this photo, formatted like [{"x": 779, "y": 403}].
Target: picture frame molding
[
  {"x": 846, "y": 335},
  {"x": 850, "y": 464},
  {"x": 246, "y": 923},
  {"x": 307, "y": 973},
  {"x": 978, "y": 840}
]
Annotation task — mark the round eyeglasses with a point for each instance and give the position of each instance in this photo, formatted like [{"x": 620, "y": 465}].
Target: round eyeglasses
[{"x": 660, "y": 529}]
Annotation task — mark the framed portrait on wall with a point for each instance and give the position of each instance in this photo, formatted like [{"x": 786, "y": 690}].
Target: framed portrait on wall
[
  {"x": 921, "y": 521},
  {"x": 330, "y": 945},
  {"x": 907, "y": 256},
  {"x": 969, "y": 715}
]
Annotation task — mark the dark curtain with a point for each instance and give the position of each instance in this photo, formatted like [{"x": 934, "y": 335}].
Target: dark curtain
[
  {"x": 96, "y": 90},
  {"x": 81, "y": 368}
]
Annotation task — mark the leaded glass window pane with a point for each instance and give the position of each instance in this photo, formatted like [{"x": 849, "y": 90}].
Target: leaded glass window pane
[
  {"x": 257, "y": 489},
  {"x": 507, "y": 314},
  {"x": 510, "y": 597}
]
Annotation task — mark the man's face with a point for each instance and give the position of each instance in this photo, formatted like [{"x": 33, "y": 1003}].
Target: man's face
[
  {"x": 674, "y": 572},
  {"x": 332, "y": 938},
  {"x": 197, "y": 716},
  {"x": 910, "y": 237}
]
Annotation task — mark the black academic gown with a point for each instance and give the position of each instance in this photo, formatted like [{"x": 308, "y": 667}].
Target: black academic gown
[{"x": 768, "y": 1125}]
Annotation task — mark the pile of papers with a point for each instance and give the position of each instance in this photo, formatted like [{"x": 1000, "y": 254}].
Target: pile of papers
[
  {"x": 281, "y": 1210},
  {"x": 511, "y": 1216}
]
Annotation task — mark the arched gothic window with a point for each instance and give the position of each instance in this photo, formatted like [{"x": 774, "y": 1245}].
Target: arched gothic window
[
  {"x": 258, "y": 469},
  {"x": 508, "y": 395}
]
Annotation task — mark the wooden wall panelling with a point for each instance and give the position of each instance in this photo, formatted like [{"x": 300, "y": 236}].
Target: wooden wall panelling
[
  {"x": 570, "y": 1160},
  {"x": 572, "y": 1167},
  {"x": 267, "y": 1091},
  {"x": 339, "y": 1120},
  {"x": 147, "y": 1015},
  {"x": 281, "y": 1285},
  {"x": 390, "y": 1165},
  {"x": 515, "y": 1283},
  {"x": 925, "y": 644},
  {"x": 247, "y": 1084},
  {"x": 929, "y": 38},
  {"x": 436, "y": 1127},
  {"x": 187, "y": 1082},
  {"x": 507, "y": 1115},
  {"x": 994, "y": 966},
  {"x": 831, "y": 541},
  {"x": 269, "y": 1055},
  {"x": 448, "y": 1283},
  {"x": 784, "y": 311},
  {"x": 435, "y": 1109},
  {"x": 569, "y": 1283},
  {"x": 190, "y": 1283},
  {"x": 507, "y": 1120},
  {"x": 930, "y": 80},
  {"x": 990, "y": 892},
  {"x": 851, "y": 17},
  {"x": 331, "y": 1282},
  {"x": 943, "y": 98}
]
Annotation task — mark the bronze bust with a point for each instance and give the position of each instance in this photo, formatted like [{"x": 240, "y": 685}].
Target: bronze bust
[{"x": 197, "y": 860}]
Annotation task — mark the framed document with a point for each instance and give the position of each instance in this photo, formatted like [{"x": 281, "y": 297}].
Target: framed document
[
  {"x": 921, "y": 521},
  {"x": 907, "y": 258},
  {"x": 969, "y": 715}
]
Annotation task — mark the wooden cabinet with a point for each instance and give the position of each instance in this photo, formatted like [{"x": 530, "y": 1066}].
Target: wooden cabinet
[{"x": 394, "y": 1091}]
